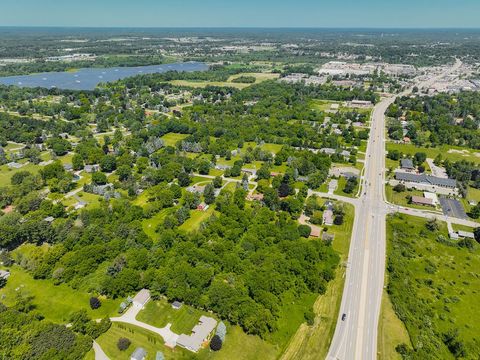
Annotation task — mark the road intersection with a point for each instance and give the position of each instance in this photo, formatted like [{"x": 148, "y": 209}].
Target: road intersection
[{"x": 355, "y": 335}]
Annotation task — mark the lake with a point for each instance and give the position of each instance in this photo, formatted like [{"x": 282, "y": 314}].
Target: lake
[{"x": 89, "y": 78}]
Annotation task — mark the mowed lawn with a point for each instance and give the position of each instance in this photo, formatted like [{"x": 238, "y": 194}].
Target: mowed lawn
[
  {"x": 172, "y": 138},
  {"x": 160, "y": 313},
  {"x": 56, "y": 303},
  {"x": 237, "y": 346}
]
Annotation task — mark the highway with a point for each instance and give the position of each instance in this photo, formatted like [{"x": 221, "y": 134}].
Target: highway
[{"x": 356, "y": 332}]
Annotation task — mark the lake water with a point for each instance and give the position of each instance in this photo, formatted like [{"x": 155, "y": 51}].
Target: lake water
[{"x": 89, "y": 78}]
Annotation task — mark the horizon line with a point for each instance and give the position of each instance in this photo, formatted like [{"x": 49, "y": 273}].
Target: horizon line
[{"x": 244, "y": 27}]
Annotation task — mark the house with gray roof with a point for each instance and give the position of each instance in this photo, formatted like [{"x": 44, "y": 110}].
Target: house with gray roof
[
  {"x": 407, "y": 164},
  {"x": 139, "y": 354},
  {"x": 200, "y": 334}
]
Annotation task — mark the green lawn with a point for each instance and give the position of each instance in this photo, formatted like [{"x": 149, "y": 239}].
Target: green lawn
[
  {"x": 434, "y": 286},
  {"x": 149, "y": 225},
  {"x": 160, "y": 313},
  {"x": 237, "y": 346},
  {"x": 401, "y": 198},
  {"x": 56, "y": 303},
  {"x": 6, "y": 173},
  {"x": 341, "y": 185},
  {"x": 196, "y": 219},
  {"x": 172, "y": 138},
  {"x": 447, "y": 151}
]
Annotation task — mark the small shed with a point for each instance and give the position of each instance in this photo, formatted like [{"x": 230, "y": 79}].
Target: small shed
[
  {"x": 139, "y": 354},
  {"x": 177, "y": 305}
]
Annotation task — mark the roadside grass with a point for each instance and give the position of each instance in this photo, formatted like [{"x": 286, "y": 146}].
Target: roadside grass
[
  {"x": 55, "y": 302},
  {"x": 453, "y": 153},
  {"x": 172, "y": 138},
  {"x": 391, "y": 331},
  {"x": 341, "y": 185},
  {"x": 433, "y": 280},
  {"x": 312, "y": 342},
  {"x": 160, "y": 313}
]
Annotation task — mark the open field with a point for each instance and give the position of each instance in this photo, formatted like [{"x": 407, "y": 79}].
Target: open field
[
  {"x": 56, "y": 303},
  {"x": 196, "y": 219},
  {"x": 260, "y": 77},
  {"x": 433, "y": 286},
  {"x": 312, "y": 342},
  {"x": 172, "y": 138},
  {"x": 453, "y": 153}
]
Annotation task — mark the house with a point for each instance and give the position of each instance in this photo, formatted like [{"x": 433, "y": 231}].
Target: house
[
  {"x": 426, "y": 180},
  {"x": 407, "y": 164},
  {"x": 328, "y": 151},
  {"x": 199, "y": 189},
  {"x": 419, "y": 200},
  {"x": 14, "y": 165},
  {"x": 139, "y": 354},
  {"x": 68, "y": 167},
  {"x": 255, "y": 197},
  {"x": 202, "y": 207},
  {"x": 176, "y": 305},
  {"x": 328, "y": 237},
  {"x": 328, "y": 217},
  {"x": 49, "y": 219},
  {"x": 80, "y": 205},
  {"x": 200, "y": 334},
  {"x": 141, "y": 298},
  {"x": 4, "y": 274},
  {"x": 92, "y": 168}
]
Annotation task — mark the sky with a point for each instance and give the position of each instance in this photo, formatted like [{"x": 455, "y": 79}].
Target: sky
[{"x": 243, "y": 13}]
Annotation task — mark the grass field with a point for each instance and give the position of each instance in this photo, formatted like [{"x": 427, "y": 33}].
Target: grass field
[
  {"x": 312, "y": 342},
  {"x": 6, "y": 173},
  {"x": 434, "y": 286},
  {"x": 260, "y": 77},
  {"x": 196, "y": 219},
  {"x": 391, "y": 331},
  {"x": 149, "y": 225},
  {"x": 172, "y": 138},
  {"x": 453, "y": 153},
  {"x": 56, "y": 303}
]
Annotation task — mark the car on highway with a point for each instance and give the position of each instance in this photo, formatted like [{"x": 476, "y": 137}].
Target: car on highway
[{"x": 344, "y": 316}]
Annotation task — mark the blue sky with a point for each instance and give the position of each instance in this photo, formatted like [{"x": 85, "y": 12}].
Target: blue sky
[{"x": 241, "y": 13}]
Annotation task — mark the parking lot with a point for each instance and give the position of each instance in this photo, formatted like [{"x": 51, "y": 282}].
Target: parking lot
[{"x": 452, "y": 208}]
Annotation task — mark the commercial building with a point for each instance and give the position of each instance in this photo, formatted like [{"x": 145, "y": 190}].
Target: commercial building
[{"x": 425, "y": 179}]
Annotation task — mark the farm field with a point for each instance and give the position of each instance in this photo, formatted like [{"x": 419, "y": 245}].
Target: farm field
[{"x": 452, "y": 153}]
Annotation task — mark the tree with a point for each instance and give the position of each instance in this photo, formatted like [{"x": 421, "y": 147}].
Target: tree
[
  {"x": 183, "y": 179},
  {"x": 3, "y": 282},
  {"x": 99, "y": 178},
  {"x": 124, "y": 172},
  {"x": 123, "y": 344},
  {"x": 309, "y": 316},
  {"x": 209, "y": 194},
  {"x": 216, "y": 343},
  {"x": 338, "y": 219},
  {"x": 77, "y": 162},
  {"x": 476, "y": 233},
  {"x": 475, "y": 211},
  {"x": 95, "y": 303},
  {"x": 304, "y": 230},
  {"x": 204, "y": 167},
  {"x": 432, "y": 225},
  {"x": 399, "y": 188},
  {"x": 217, "y": 182},
  {"x": 108, "y": 163}
]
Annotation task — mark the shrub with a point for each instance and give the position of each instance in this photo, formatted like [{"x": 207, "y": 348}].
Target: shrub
[
  {"x": 216, "y": 343},
  {"x": 399, "y": 188},
  {"x": 304, "y": 230},
  {"x": 338, "y": 220},
  {"x": 309, "y": 316},
  {"x": 123, "y": 344},
  {"x": 95, "y": 303}
]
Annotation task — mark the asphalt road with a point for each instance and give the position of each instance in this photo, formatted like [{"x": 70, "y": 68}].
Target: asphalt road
[{"x": 356, "y": 335}]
